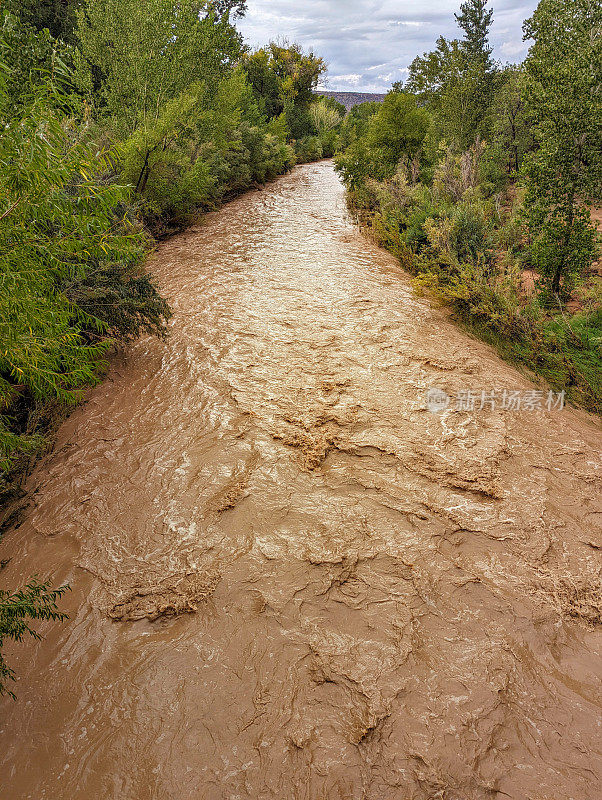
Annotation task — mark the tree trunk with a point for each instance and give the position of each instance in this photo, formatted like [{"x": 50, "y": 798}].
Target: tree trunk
[{"x": 142, "y": 171}]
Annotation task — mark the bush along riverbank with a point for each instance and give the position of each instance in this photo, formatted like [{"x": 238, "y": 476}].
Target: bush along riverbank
[
  {"x": 122, "y": 121},
  {"x": 481, "y": 180}
]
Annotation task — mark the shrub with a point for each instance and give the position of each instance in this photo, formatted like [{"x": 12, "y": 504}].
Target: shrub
[
  {"x": 309, "y": 149},
  {"x": 64, "y": 224}
]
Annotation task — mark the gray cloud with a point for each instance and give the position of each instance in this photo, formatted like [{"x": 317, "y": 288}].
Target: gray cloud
[{"x": 367, "y": 44}]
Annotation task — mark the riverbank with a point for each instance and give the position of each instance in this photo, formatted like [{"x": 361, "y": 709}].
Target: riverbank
[{"x": 490, "y": 296}]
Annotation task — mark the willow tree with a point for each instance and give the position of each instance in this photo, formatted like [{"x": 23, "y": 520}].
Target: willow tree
[
  {"x": 70, "y": 276},
  {"x": 564, "y": 100},
  {"x": 457, "y": 79}
]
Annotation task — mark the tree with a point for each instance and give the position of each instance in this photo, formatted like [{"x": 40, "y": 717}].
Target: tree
[
  {"x": 397, "y": 131},
  {"x": 325, "y": 119},
  {"x": 511, "y": 128},
  {"x": 431, "y": 74},
  {"x": 297, "y": 72},
  {"x": 475, "y": 21},
  {"x": 457, "y": 79},
  {"x": 478, "y": 85},
  {"x": 393, "y": 139},
  {"x": 355, "y": 124},
  {"x": 229, "y": 8},
  {"x": 36, "y": 601},
  {"x": 62, "y": 221},
  {"x": 564, "y": 100},
  {"x": 28, "y": 57},
  {"x": 284, "y": 79},
  {"x": 56, "y": 16},
  {"x": 139, "y": 54},
  {"x": 264, "y": 82}
]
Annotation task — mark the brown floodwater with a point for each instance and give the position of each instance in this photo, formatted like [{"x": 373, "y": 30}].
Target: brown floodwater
[{"x": 292, "y": 581}]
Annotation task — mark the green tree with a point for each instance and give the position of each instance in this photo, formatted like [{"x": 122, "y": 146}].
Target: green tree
[
  {"x": 37, "y": 601},
  {"x": 393, "y": 138},
  {"x": 229, "y": 8},
  {"x": 56, "y": 16},
  {"x": 472, "y": 95},
  {"x": 511, "y": 125},
  {"x": 137, "y": 55},
  {"x": 264, "y": 82},
  {"x": 62, "y": 219},
  {"x": 457, "y": 79},
  {"x": 564, "y": 100},
  {"x": 28, "y": 57},
  {"x": 284, "y": 79},
  {"x": 396, "y": 133},
  {"x": 431, "y": 74},
  {"x": 355, "y": 124},
  {"x": 476, "y": 21}
]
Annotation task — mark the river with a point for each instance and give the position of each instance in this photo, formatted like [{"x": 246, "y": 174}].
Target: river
[{"x": 290, "y": 579}]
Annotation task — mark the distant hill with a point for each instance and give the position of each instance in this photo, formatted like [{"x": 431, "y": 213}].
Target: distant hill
[{"x": 350, "y": 99}]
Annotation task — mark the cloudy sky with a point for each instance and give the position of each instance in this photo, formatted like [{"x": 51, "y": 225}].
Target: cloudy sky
[{"x": 368, "y": 44}]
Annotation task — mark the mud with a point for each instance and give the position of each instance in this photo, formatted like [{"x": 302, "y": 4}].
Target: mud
[{"x": 290, "y": 579}]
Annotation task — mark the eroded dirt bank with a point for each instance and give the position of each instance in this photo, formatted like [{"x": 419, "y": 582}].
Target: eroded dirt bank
[{"x": 387, "y": 604}]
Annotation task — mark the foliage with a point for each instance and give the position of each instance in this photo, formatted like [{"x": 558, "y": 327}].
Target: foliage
[
  {"x": 230, "y": 9},
  {"x": 27, "y": 56},
  {"x": 138, "y": 55},
  {"x": 431, "y": 74},
  {"x": 476, "y": 21},
  {"x": 63, "y": 221},
  {"x": 511, "y": 127},
  {"x": 58, "y": 17},
  {"x": 37, "y": 601},
  {"x": 355, "y": 125},
  {"x": 457, "y": 80},
  {"x": 284, "y": 79},
  {"x": 564, "y": 75},
  {"x": 394, "y": 134},
  {"x": 325, "y": 120},
  {"x": 191, "y": 130}
]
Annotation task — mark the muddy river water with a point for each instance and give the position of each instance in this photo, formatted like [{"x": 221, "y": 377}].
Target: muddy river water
[{"x": 290, "y": 579}]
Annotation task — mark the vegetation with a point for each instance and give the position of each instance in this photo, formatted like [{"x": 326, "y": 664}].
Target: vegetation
[
  {"x": 37, "y": 601},
  {"x": 284, "y": 80},
  {"x": 564, "y": 171},
  {"x": 480, "y": 178}
]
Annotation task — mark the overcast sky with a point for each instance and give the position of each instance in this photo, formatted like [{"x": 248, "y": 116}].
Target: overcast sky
[{"x": 367, "y": 44}]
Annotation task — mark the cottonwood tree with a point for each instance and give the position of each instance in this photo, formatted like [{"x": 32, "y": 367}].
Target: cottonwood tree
[
  {"x": 457, "y": 79},
  {"x": 393, "y": 138},
  {"x": 284, "y": 79},
  {"x": 140, "y": 54},
  {"x": 564, "y": 99}
]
